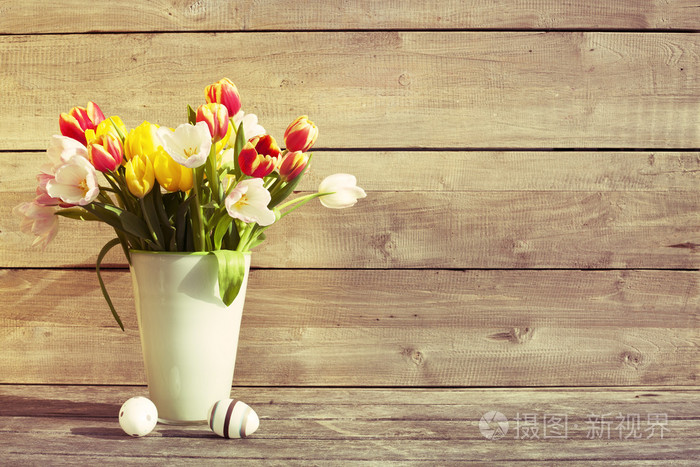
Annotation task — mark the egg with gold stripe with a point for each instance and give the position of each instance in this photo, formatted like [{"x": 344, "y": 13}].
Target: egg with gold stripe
[{"x": 231, "y": 418}]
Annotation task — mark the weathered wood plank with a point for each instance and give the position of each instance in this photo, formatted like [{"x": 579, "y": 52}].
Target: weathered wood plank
[
  {"x": 437, "y": 230},
  {"x": 245, "y": 15},
  {"x": 371, "y": 298},
  {"x": 205, "y": 446},
  {"x": 97, "y": 459},
  {"x": 437, "y": 425},
  {"x": 585, "y": 183},
  {"x": 396, "y": 356},
  {"x": 453, "y": 171},
  {"x": 364, "y": 425},
  {"x": 285, "y": 403},
  {"x": 416, "y": 89},
  {"x": 449, "y": 328}
]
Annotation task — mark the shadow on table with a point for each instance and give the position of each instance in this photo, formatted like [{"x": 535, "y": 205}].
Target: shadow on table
[{"x": 20, "y": 406}]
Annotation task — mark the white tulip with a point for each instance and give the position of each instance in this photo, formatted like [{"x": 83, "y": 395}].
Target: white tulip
[
  {"x": 248, "y": 202},
  {"x": 188, "y": 145},
  {"x": 342, "y": 190},
  {"x": 251, "y": 128}
]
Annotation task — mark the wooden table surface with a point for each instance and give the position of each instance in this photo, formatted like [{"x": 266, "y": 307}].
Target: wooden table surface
[{"x": 77, "y": 425}]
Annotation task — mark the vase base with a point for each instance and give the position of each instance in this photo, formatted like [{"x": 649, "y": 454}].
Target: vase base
[{"x": 165, "y": 421}]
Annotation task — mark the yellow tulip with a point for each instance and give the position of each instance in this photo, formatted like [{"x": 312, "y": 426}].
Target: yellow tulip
[
  {"x": 171, "y": 175},
  {"x": 142, "y": 140},
  {"x": 106, "y": 127},
  {"x": 140, "y": 176}
]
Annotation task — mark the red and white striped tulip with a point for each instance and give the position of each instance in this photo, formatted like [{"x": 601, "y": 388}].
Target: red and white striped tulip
[
  {"x": 216, "y": 117},
  {"x": 300, "y": 135},
  {"x": 292, "y": 164},
  {"x": 224, "y": 92},
  {"x": 74, "y": 123},
  {"x": 106, "y": 153},
  {"x": 259, "y": 157}
]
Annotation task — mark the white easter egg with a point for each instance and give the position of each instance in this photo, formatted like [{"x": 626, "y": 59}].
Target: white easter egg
[
  {"x": 138, "y": 416},
  {"x": 232, "y": 418}
]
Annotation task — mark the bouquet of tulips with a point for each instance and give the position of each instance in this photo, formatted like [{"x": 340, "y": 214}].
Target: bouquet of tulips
[{"x": 213, "y": 184}]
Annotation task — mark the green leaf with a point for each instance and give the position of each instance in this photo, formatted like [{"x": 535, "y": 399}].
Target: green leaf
[
  {"x": 233, "y": 238},
  {"x": 181, "y": 225},
  {"x": 120, "y": 219},
  {"x": 171, "y": 201},
  {"x": 240, "y": 142},
  {"x": 237, "y": 146},
  {"x": 108, "y": 246},
  {"x": 257, "y": 241},
  {"x": 212, "y": 175},
  {"x": 117, "y": 129},
  {"x": 77, "y": 214},
  {"x": 191, "y": 115},
  {"x": 221, "y": 228},
  {"x": 287, "y": 190},
  {"x": 150, "y": 214},
  {"x": 231, "y": 274}
]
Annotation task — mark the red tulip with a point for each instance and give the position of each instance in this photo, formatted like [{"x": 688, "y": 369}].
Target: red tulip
[
  {"x": 259, "y": 157},
  {"x": 106, "y": 153},
  {"x": 300, "y": 135},
  {"x": 216, "y": 118},
  {"x": 292, "y": 165},
  {"x": 224, "y": 92},
  {"x": 74, "y": 123}
]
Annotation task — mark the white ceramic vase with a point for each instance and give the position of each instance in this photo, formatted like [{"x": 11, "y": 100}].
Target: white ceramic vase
[{"x": 189, "y": 337}]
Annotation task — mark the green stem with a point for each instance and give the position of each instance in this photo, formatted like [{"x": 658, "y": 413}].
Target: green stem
[
  {"x": 210, "y": 168},
  {"x": 245, "y": 236},
  {"x": 116, "y": 190},
  {"x": 303, "y": 200},
  {"x": 196, "y": 206}
]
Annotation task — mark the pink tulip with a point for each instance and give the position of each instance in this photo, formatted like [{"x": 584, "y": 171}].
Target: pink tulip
[
  {"x": 37, "y": 220},
  {"x": 42, "y": 196}
]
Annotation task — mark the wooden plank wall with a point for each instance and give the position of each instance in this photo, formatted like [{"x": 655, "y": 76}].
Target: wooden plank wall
[{"x": 531, "y": 168}]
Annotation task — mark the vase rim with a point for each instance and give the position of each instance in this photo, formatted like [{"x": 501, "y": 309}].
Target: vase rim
[{"x": 181, "y": 253}]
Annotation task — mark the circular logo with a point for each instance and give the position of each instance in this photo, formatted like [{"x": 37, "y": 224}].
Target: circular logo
[{"x": 493, "y": 425}]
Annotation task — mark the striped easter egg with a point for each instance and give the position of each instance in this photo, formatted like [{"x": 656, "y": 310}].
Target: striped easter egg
[{"x": 232, "y": 418}]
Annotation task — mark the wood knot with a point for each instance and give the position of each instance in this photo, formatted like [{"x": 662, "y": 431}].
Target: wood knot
[
  {"x": 404, "y": 79},
  {"x": 415, "y": 356},
  {"x": 384, "y": 244},
  {"x": 515, "y": 335},
  {"x": 197, "y": 8},
  {"x": 633, "y": 359}
]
